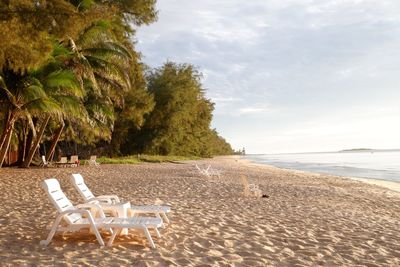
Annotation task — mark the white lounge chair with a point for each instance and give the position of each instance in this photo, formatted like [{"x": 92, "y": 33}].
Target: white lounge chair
[
  {"x": 76, "y": 218},
  {"x": 201, "y": 171},
  {"x": 108, "y": 202},
  {"x": 208, "y": 171},
  {"x": 62, "y": 163},
  {"x": 74, "y": 161},
  {"x": 214, "y": 172},
  {"x": 92, "y": 161}
]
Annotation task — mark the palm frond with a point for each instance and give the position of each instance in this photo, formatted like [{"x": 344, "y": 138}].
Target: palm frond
[
  {"x": 71, "y": 106},
  {"x": 109, "y": 68},
  {"x": 97, "y": 33},
  {"x": 10, "y": 96},
  {"x": 64, "y": 79},
  {"x": 109, "y": 82},
  {"x": 59, "y": 50},
  {"x": 109, "y": 50},
  {"x": 85, "y": 4},
  {"x": 43, "y": 105},
  {"x": 33, "y": 91},
  {"x": 103, "y": 114}
]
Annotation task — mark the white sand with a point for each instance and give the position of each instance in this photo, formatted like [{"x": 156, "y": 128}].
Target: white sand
[
  {"x": 308, "y": 219},
  {"x": 395, "y": 186}
]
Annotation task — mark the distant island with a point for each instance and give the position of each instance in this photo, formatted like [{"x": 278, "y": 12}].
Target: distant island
[
  {"x": 367, "y": 150},
  {"x": 357, "y": 150}
]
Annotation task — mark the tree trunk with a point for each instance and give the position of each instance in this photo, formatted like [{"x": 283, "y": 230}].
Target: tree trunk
[
  {"x": 5, "y": 130},
  {"x": 6, "y": 145},
  {"x": 50, "y": 154},
  {"x": 22, "y": 142},
  {"x": 35, "y": 144},
  {"x": 24, "y": 145}
]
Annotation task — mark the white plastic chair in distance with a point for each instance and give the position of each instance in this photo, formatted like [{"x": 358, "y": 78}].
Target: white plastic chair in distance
[
  {"x": 108, "y": 202},
  {"x": 209, "y": 171},
  {"x": 202, "y": 171},
  {"x": 213, "y": 172},
  {"x": 79, "y": 217},
  {"x": 92, "y": 161},
  {"x": 74, "y": 161},
  {"x": 45, "y": 163},
  {"x": 62, "y": 163},
  {"x": 250, "y": 189}
]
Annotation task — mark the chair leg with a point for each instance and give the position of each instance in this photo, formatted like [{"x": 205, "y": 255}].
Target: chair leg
[
  {"x": 52, "y": 231},
  {"x": 147, "y": 234},
  {"x": 165, "y": 217},
  {"x": 158, "y": 216},
  {"x": 116, "y": 232},
  {"x": 95, "y": 230},
  {"x": 157, "y": 232},
  {"x": 98, "y": 236}
]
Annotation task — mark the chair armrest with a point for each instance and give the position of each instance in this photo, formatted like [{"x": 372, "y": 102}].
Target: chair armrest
[
  {"x": 215, "y": 171},
  {"x": 82, "y": 211},
  {"x": 107, "y": 198},
  {"x": 253, "y": 186},
  {"x": 98, "y": 200},
  {"x": 95, "y": 206}
]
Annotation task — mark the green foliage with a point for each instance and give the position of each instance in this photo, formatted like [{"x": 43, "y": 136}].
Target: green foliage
[
  {"x": 138, "y": 12},
  {"x": 69, "y": 58},
  {"x": 68, "y": 69},
  {"x": 130, "y": 118},
  {"x": 180, "y": 121},
  {"x": 143, "y": 158},
  {"x": 28, "y": 29}
]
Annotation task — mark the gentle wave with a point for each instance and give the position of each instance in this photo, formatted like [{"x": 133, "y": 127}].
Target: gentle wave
[{"x": 375, "y": 165}]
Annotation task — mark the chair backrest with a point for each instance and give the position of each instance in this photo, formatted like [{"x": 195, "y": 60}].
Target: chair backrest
[
  {"x": 93, "y": 158},
  {"x": 63, "y": 160},
  {"x": 79, "y": 184},
  {"x": 74, "y": 159},
  {"x": 245, "y": 182},
  {"x": 198, "y": 168},
  {"x": 59, "y": 200},
  {"x": 246, "y": 187}
]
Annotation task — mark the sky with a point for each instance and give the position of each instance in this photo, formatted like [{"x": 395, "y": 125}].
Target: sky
[{"x": 289, "y": 76}]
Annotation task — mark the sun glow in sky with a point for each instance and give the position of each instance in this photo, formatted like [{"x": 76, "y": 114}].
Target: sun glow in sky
[{"x": 289, "y": 76}]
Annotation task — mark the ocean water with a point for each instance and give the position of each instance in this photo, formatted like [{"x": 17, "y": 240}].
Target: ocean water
[{"x": 382, "y": 165}]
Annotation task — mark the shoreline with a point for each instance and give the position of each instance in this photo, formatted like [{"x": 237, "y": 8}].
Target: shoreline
[{"x": 392, "y": 185}]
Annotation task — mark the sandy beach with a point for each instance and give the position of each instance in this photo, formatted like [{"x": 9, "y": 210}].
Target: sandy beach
[{"x": 308, "y": 219}]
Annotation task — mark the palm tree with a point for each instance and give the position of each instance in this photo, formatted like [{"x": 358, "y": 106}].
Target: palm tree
[
  {"x": 21, "y": 98},
  {"x": 102, "y": 66},
  {"x": 87, "y": 78},
  {"x": 62, "y": 87}
]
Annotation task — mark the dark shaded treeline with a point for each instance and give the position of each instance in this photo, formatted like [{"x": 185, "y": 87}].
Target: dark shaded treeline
[{"x": 71, "y": 82}]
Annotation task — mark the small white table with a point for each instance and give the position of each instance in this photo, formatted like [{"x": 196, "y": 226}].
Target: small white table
[{"x": 120, "y": 209}]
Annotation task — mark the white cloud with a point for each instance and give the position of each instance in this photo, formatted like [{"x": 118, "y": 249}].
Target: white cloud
[
  {"x": 251, "y": 110},
  {"x": 309, "y": 59}
]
